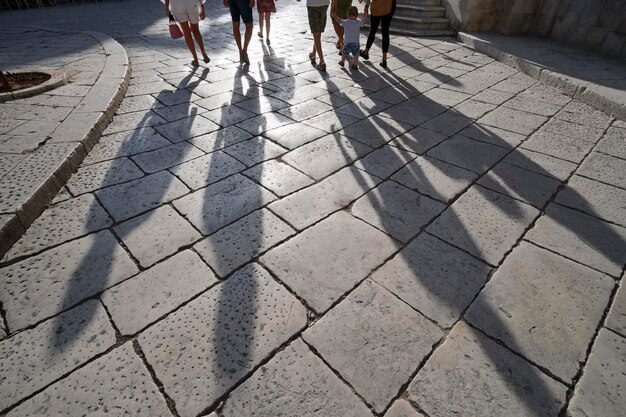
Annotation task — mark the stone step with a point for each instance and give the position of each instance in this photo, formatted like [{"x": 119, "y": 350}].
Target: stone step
[
  {"x": 419, "y": 11},
  {"x": 420, "y": 23},
  {"x": 419, "y": 2},
  {"x": 421, "y": 32}
]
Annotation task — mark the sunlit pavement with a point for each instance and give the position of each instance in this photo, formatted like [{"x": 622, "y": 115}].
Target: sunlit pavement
[{"x": 444, "y": 237}]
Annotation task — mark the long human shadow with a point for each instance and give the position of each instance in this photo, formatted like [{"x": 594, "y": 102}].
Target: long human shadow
[{"x": 512, "y": 210}]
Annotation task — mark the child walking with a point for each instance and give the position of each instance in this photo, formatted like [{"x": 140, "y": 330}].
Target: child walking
[
  {"x": 351, "y": 31},
  {"x": 265, "y": 8}
]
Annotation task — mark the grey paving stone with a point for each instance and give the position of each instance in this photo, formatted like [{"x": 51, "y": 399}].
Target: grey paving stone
[
  {"x": 363, "y": 107},
  {"x": 484, "y": 223},
  {"x": 326, "y": 155},
  {"x": 605, "y": 168},
  {"x": 278, "y": 177},
  {"x": 533, "y": 106},
  {"x": 103, "y": 174},
  {"x": 573, "y": 130},
  {"x": 600, "y": 389},
  {"x": 8, "y": 162},
  {"x": 205, "y": 207},
  {"x": 294, "y": 135},
  {"x": 242, "y": 241},
  {"x": 385, "y": 161},
  {"x": 138, "y": 103},
  {"x": 418, "y": 140},
  {"x": 402, "y": 408},
  {"x": 167, "y": 157},
  {"x": 156, "y": 235},
  {"x": 375, "y": 131},
  {"x": 488, "y": 380},
  {"x": 435, "y": 278},
  {"x": 35, "y": 127},
  {"x": 467, "y": 153},
  {"x": 415, "y": 111},
  {"x": 443, "y": 97},
  {"x": 520, "y": 184},
  {"x": 228, "y": 115},
  {"x": 613, "y": 143},
  {"x": 132, "y": 121},
  {"x": 473, "y": 109},
  {"x": 590, "y": 117},
  {"x": 179, "y": 111},
  {"x": 32, "y": 359},
  {"x": 322, "y": 263},
  {"x": 563, "y": 147},
  {"x": 219, "y": 100},
  {"x": 294, "y": 382},
  {"x": 65, "y": 221},
  {"x": 129, "y": 199},
  {"x": 255, "y": 150},
  {"x": 125, "y": 144},
  {"x": 43, "y": 285},
  {"x": 547, "y": 94},
  {"x": 395, "y": 95},
  {"x": 374, "y": 341},
  {"x": 262, "y": 104},
  {"x": 171, "y": 98},
  {"x": 306, "y": 110},
  {"x": 616, "y": 320},
  {"x": 517, "y": 306},
  {"x": 447, "y": 123},
  {"x": 514, "y": 120},
  {"x": 493, "y": 96},
  {"x": 585, "y": 239},
  {"x": 435, "y": 178},
  {"x": 311, "y": 204},
  {"x": 595, "y": 198},
  {"x": 541, "y": 163},
  {"x": 101, "y": 386},
  {"x": 264, "y": 122},
  {"x": 187, "y": 128},
  {"x": 493, "y": 135},
  {"x": 331, "y": 121},
  {"x": 207, "y": 169},
  {"x": 224, "y": 333},
  {"x": 220, "y": 139},
  {"x": 161, "y": 289},
  {"x": 396, "y": 210}
]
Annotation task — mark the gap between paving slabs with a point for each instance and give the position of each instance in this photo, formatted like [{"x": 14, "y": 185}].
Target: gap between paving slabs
[{"x": 71, "y": 141}]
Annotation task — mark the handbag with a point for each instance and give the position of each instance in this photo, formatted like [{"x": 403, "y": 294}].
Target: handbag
[
  {"x": 202, "y": 14},
  {"x": 175, "y": 31}
]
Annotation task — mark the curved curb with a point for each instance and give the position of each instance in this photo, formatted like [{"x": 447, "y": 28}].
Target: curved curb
[
  {"x": 73, "y": 139},
  {"x": 583, "y": 91},
  {"x": 57, "y": 79}
]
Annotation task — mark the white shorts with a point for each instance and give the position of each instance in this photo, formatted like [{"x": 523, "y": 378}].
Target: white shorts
[{"x": 186, "y": 10}]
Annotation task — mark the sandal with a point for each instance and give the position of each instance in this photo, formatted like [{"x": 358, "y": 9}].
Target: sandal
[
  {"x": 260, "y": 34},
  {"x": 321, "y": 66},
  {"x": 206, "y": 58},
  {"x": 383, "y": 63},
  {"x": 312, "y": 58},
  {"x": 268, "y": 41},
  {"x": 342, "y": 63},
  {"x": 195, "y": 63},
  {"x": 354, "y": 67},
  {"x": 364, "y": 54}
]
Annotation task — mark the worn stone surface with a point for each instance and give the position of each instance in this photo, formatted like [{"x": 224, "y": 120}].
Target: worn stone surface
[
  {"x": 255, "y": 150},
  {"x": 599, "y": 391},
  {"x": 484, "y": 223},
  {"x": 402, "y": 408},
  {"x": 224, "y": 333},
  {"x": 156, "y": 234},
  {"x": 585, "y": 239},
  {"x": 513, "y": 120},
  {"x": 541, "y": 164},
  {"x": 616, "y": 320},
  {"x": 604, "y": 168},
  {"x": 187, "y": 128},
  {"x": 493, "y": 135},
  {"x": 278, "y": 177},
  {"x": 161, "y": 289},
  {"x": 573, "y": 130},
  {"x": 517, "y": 306},
  {"x": 385, "y": 161},
  {"x": 467, "y": 153},
  {"x": 434, "y": 278},
  {"x": 488, "y": 380},
  {"x": 53, "y": 281},
  {"x": 160, "y": 159},
  {"x": 37, "y": 357},
  {"x": 563, "y": 147},
  {"x": 207, "y": 169},
  {"x": 613, "y": 143},
  {"x": 294, "y": 382},
  {"x": 374, "y": 341},
  {"x": 220, "y": 139},
  {"x": 243, "y": 240},
  {"x": 294, "y": 135},
  {"x": 375, "y": 131},
  {"x": 125, "y": 144},
  {"x": 103, "y": 174},
  {"x": 418, "y": 140},
  {"x": 396, "y": 210},
  {"x": 321, "y": 263}
]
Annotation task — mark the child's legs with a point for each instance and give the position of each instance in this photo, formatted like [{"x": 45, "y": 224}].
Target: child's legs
[
  {"x": 261, "y": 22},
  {"x": 267, "y": 23}
]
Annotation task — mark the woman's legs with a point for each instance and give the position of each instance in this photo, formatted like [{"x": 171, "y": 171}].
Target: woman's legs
[
  {"x": 374, "y": 22},
  {"x": 195, "y": 30},
  {"x": 189, "y": 40},
  {"x": 267, "y": 24},
  {"x": 386, "y": 23},
  {"x": 260, "y": 24}
]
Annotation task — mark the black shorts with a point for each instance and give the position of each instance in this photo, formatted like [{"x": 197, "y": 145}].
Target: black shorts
[{"x": 240, "y": 9}]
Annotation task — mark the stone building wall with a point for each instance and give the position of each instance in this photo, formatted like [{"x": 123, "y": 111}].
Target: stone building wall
[{"x": 594, "y": 24}]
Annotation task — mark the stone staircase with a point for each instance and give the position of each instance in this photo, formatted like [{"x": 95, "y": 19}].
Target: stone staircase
[{"x": 420, "y": 18}]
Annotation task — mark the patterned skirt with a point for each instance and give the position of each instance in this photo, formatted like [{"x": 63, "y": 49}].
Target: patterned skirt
[{"x": 266, "y": 6}]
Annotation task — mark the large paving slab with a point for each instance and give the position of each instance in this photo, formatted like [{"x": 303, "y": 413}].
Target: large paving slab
[
  {"x": 207, "y": 169},
  {"x": 599, "y": 391},
  {"x": 402, "y": 408},
  {"x": 374, "y": 341},
  {"x": 322, "y": 263},
  {"x": 616, "y": 320},
  {"x": 488, "y": 380},
  {"x": 224, "y": 335},
  {"x": 294, "y": 382},
  {"x": 467, "y": 153},
  {"x": 278, "y": 177},
  {"x": 517, "y": 306},
  {"x": 117, "y": 381},
  {"x": 39, "y": 356},
  {"x": 604, "y": 168}
]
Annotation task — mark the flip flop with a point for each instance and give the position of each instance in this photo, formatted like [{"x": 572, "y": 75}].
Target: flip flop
[
  {"x": 206, "y": 59},
  {"x": 321, "y": 66}
]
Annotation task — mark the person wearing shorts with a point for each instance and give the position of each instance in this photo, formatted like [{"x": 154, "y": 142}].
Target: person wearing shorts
[
  {"x": 317, "y": 11},
  {"x": 340, "y": 8},
  {"x": 241, "y": 10},
  {"x": 187, "y": 14}
]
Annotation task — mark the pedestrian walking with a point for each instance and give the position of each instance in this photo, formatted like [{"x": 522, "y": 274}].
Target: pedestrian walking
[
  {"x": 241, "y": 10},
  {"x": 352, "y": 31},
  {"x": 340, "y": 8},
  {"x": 382, "y": 12},
  {"x": 265, "y": 8},
  {"x": 317, "y": 11},
  {"x": 187, "y": 14}
]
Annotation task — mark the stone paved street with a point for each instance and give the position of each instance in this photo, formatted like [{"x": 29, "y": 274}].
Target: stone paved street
[{"x": 444, "y": 237}]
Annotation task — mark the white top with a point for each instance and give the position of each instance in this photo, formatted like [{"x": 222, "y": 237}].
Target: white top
[
  {"x": 351, "y": 30},
  {"x": 317, "y": 3}
]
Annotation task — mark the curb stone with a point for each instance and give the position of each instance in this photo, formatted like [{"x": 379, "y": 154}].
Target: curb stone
[
  {"x": 80, "y": 131},
  {"x": 577, "y": 89},
  {"x": 57, "y": 79}
]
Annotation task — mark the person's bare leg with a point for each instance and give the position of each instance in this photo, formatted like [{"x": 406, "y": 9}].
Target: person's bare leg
[
  {"x": 267, "y": 24},
  {"x": 195, "y": 30},
  {"x": 189, "y": 40},
  {"x": 248, "y": 36},
  {"x": 261, "y": 24},
  {"x": 317, "y": 39},
  {"x": 237, "y": 35}
]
